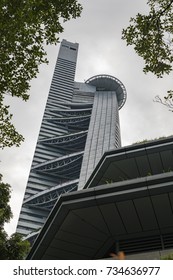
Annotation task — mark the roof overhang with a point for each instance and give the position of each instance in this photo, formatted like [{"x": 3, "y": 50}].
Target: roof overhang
[
  {"x": 86, "y": 224},
  {"x": 135, "y": 161}
]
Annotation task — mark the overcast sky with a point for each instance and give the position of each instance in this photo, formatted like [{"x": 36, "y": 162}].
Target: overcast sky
[{"x": 101, "y": 51}]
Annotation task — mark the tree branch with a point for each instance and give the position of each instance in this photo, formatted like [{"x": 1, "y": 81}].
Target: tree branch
[
  {"x": 167, "y": 102},
  {"x": 168, "y": 6}
]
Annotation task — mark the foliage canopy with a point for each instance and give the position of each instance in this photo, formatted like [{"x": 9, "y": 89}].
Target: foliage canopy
[
  {"x": 25, "y": 26},
  {"x": 152, "y": 36}
]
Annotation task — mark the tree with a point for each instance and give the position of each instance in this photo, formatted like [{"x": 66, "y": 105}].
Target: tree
[
  {"x": 8, "y": 134},
  {"x": 167, "y": 101},
  {"x": 25, "y": 26},
  {"x": 11, "y": 248},
  {"x": 152, "y": 37}
]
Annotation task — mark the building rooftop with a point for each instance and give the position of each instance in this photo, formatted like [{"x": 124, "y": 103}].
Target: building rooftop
[
  {"x": 105, "y": 82},
  {"x": 134, "y": 161},
  {"x": 135, "y": 213}
]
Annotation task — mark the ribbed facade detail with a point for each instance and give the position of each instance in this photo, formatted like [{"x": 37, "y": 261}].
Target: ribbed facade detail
[
  {"x": 103, "y": 134},
  {"x": 80, "y": 123}
]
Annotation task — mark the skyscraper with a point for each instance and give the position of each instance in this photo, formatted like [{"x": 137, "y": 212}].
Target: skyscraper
[{"x": 80, "y": 123}]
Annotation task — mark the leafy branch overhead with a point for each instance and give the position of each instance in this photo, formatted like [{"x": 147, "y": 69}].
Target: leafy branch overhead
[
  {"x": 25, "y": 26},
  {"x": 167, "y": 101},
  {"x": 152, "y": 36},
  {"x": 8, "y": 134}
]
